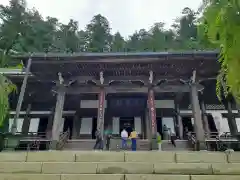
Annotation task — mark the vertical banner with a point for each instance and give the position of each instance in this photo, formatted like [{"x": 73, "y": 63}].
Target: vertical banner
[
  {"x": 101, "y": 109},
  {"x": 152, "y": 110}
]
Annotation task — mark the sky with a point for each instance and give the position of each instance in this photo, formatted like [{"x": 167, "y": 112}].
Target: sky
[{"x": 125, "y": 16}]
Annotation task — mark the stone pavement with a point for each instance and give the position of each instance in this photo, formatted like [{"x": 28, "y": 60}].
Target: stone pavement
[{"x": 70, "y": 165}]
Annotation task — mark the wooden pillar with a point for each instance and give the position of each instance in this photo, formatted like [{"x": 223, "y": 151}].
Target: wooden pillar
[
  {"x": 58, "y": 120},
  {"x": 179, "y": 121},
  {"x": 198, "y": 126},
  {"x": 152, "y": 115},
  {"x": 205, "y": 119},
  {"x": 76, "y": 126},
  {"x": 21, "y": 96},
  {"x": 231, "y": 119},
  {"x": 27, "y": 120},
  {"x": 101, "y": 110},
  {"x": 50, "y": 124}
]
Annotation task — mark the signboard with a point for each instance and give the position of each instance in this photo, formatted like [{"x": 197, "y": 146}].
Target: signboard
[{"x": 127, "y": 103}]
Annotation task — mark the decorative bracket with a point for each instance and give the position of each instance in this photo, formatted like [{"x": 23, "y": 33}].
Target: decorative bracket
[
  {"x": 193, "y": 78},
  {"x": 60, "y": 78},
  {"x": 150, "y": 77},
  {"x": 101, "y": 78}
]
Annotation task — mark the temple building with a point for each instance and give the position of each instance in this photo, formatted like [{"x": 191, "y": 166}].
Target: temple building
[{"x": 144, "y": 91}]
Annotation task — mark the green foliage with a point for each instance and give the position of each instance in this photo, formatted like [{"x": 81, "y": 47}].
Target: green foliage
[
  {"x": 222, "y": 21},
  {"x": 6, "y": 87}
]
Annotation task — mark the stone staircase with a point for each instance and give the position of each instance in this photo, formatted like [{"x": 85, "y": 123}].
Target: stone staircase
[
  {"x": 83, "y": 165},
  {"x": 142, "y": 145}
]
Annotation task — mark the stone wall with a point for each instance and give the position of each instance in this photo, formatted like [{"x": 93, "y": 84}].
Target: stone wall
[{"x": 69, "y": 165}]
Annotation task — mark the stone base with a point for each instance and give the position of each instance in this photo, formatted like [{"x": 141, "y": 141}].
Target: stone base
[
  {"x": 200, "y": 145},
  {"x": 154, "y": 144},
  {"x": 53, "y": 145}
]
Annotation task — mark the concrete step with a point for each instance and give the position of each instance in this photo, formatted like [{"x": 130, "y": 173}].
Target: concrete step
[
  {"x": 85, "y": 144},
  {"x": 181, "y": 145},
  {"x": 142, "y": 145},
  {"x": 142, "y": 165}
]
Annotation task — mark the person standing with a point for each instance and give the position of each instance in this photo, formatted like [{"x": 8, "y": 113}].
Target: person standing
[
  {"x": 124, "y": 137},
  {"x": 108, "y": 135},
  {"x": 159, "y": 141},
  {"x": 99, "y": 141},
  {"x": 133, "y": 137}
]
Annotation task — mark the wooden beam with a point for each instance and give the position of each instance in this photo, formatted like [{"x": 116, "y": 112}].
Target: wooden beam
[{"x": 128, "y": 89}]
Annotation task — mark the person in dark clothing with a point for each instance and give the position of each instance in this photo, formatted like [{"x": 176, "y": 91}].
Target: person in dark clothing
[
  {"x": 108, "y": 140},
  {"x": 107, "y": 137},
  {"x": 172, "y": 138},
  {"x": 99, "y": 141}
]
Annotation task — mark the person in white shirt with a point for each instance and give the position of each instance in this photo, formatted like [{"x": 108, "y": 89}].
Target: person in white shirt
[{"x": 124, "y": 136}]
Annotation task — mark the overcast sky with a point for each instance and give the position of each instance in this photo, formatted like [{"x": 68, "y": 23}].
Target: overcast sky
[{"x": 125, "y": 16}]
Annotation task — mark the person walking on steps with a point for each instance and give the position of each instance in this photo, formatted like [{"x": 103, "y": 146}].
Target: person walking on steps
[
  {"x": 159, "y": 141},
  {"x": 133, "y": 137},
  {"x": 99, "y": 141}
]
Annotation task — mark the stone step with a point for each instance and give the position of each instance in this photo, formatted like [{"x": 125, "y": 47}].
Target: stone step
[
  {"x": 119, "y": 168},
  {"x": 141, "y": 165},
  {"x": 114, "y": 177},
  {"x": 106, "y": 156}
]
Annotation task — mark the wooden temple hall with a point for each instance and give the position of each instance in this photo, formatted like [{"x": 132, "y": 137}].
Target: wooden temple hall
[{"x": 144, "y": 91}]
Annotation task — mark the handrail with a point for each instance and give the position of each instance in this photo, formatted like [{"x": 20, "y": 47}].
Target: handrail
[
  {"x": 191, "y": 140},
  {"x": 63, "y": 138}
]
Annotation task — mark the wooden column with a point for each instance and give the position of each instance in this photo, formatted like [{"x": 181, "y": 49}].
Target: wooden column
[
  {"x": 198, "y": 126},
  {"x": 21, "y": 96},
  {"x": 152, "y": 115},
  {"x": 101, "y": 110},
  {"x": 179, "y": 121},
  {"x": 58, "y": 120},
  {"x": 205, "y": 119},
  {"x": 152, "y": 111},
  {"x": 27, "y": 120},
  {"x": 50, "y": 124},
  {"x": 76, "y": 126},
  {"x": 231, "y": 119}
]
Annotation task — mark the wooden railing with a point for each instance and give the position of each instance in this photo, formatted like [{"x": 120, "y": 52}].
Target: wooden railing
[{"x": 20, "y": 141}]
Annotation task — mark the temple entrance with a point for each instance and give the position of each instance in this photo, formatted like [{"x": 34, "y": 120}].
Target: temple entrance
[
  {"x": 126, "y": 123},
  {"x": 187, "y": 126}
]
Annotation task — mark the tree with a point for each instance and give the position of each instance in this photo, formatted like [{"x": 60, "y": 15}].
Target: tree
[
  {"x": 6, "y": 88},
  {"x": 68, "y": 34},
  {"x": 118, "y": 43},
  {"x": 98, "y": 34},
  {"x": 222, "y": 23},
  {"x": 186, "y": 30}
]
